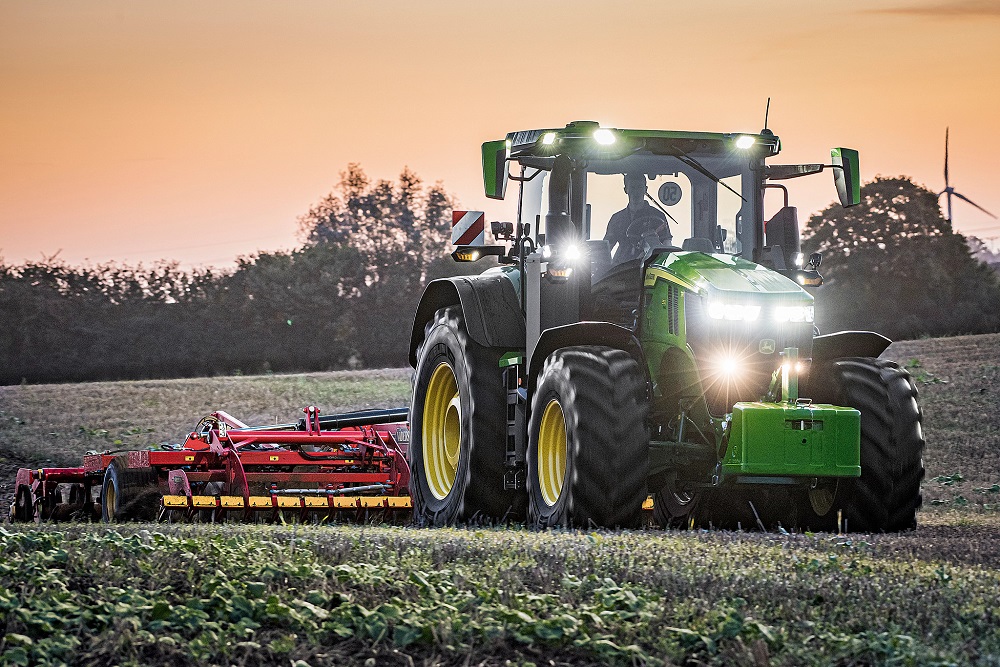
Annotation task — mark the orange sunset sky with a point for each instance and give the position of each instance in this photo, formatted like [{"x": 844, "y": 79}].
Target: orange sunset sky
[{"x": 199, "y": 131}]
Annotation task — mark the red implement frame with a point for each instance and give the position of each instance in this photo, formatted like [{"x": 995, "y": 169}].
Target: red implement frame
[{"x": 227, "y": 459}]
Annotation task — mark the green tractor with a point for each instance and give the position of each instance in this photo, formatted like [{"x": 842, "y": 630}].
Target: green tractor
[{"x": 646, "y": 341}]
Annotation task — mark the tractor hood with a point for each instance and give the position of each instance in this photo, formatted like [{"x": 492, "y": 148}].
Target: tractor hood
[{"x": 727, "y": 277}]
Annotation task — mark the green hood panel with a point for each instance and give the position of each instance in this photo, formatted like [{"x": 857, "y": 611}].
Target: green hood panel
[{"x": 725, "y": 275}]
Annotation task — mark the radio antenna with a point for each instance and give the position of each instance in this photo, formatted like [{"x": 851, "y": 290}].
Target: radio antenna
[{"x": 767, "y": 110}]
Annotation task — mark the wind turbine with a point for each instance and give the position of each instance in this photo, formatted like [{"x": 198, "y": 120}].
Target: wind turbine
[{"x": 948, "y": 190}]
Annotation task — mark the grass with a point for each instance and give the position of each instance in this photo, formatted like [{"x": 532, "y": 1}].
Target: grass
[
  {"x": 57, "y": 423},
  {"x": 221, "y": 595}
]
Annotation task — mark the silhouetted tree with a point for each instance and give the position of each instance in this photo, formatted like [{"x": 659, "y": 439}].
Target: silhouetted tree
[
  {"x": 894, "y": 264},
  {"x": 402, "y": 232}
]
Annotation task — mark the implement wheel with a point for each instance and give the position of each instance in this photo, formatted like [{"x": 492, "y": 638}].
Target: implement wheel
[
  {"x": 674, "y": 508},
  {"x": 129, "y": 494},
  {"x": 887, "y": 495},
  {"x": 24, "y": 505},
  {"x": 588, "y": 450},
  {"x": 458, "y": 429}
]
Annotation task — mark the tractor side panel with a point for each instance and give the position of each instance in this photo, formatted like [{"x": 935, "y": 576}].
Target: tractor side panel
[{"x": 664, "y": 339}]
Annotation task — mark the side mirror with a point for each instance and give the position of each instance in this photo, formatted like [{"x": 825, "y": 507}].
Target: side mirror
[
  {"x": 847, "y": 175},
  {"x": 495, "y": 168}
]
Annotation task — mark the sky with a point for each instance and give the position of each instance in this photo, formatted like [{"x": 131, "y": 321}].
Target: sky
[{"x": 200, "y": 132}]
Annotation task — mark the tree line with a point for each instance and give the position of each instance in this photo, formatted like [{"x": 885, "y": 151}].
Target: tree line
[{"x": 346, "y": 297}]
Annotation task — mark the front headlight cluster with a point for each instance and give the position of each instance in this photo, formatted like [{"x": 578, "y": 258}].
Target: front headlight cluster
[
  {"x": 733, "y": 311},
  {"x": 737, "y": 312},
  {"x": 793, "y": 314}
]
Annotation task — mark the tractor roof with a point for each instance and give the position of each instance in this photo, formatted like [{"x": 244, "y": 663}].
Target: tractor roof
[{"x": 588, "y": 137}]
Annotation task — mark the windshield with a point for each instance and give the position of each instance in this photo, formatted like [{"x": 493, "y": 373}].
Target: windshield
[{"x": 645, "y": 201}]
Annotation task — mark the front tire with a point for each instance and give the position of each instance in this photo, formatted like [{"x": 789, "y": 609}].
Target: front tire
[
  {"x": 588, "y": 449},
  {"x": 887, "y": 495},
  {"x": 458, "y": 426}
]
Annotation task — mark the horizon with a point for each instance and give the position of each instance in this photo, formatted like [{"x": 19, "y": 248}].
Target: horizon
[{"x": 175, "y": 131}]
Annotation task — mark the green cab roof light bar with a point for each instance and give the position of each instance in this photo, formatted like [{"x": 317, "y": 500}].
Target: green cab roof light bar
[{"x": 588, "y": 138}]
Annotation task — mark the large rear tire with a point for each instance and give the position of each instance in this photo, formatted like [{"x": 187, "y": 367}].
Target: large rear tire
[
  {"x": 887, "y": 495},
  {"x": 129, "y": 494},
  {"x": 458, "y": 429},
  {"x": 588, "y": 448}
]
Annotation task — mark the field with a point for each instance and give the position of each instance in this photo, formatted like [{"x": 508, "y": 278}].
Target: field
[{"x": 297, "y": 595}]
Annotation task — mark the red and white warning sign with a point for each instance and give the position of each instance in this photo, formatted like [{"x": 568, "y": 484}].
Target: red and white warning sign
[{"x": 468, "y": 227}]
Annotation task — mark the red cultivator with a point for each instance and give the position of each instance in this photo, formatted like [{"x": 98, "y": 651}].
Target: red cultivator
[{"x": 335, "y": 467}]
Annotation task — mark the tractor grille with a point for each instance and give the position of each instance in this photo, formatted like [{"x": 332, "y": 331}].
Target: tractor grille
[
  {"x": 673, "y": 309},
  {"x": 755, "y": 345}
]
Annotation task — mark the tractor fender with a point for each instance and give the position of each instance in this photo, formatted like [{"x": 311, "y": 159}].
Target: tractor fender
[
  {"x": 489, "y": 305},
  {"x": 849, "y": 344},
  {"x": 584, "y": 333}
]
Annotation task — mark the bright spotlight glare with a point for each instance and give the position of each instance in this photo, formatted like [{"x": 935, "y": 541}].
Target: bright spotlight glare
[
  {"x": 546, "y": 251},
  {"x": 572, "y": 252},
  {"x": 549, "y": 138},
  {"x": 728, "y": 365},
  {"x": 744, "y": 142},
  {"x": 787, "y": 366},
  {"x": 604, "y": 136}
]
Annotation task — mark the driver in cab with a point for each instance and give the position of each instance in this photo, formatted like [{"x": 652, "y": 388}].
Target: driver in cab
[{"x": 636, "y": 225}]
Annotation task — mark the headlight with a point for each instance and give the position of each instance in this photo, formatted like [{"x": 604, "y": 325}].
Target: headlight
[
  {"x": 604, "y": 136},
  {"x": 793, "y": 314},
  {"x": 728, "y": 365},
  {"x": 732, "y": 311},
  {"x": 572, "y": 252}
]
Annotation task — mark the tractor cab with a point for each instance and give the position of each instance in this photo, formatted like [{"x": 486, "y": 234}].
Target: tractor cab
[
  {"x": 638, "y": 194},
  {"x": 615, "y": 195}
]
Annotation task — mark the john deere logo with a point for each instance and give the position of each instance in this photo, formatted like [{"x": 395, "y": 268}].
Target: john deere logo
[{"x": 766, "y": 346}]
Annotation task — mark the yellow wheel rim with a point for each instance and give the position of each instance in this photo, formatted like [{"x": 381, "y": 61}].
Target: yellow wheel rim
[
  {"x": 111, "y": 502},
  {"x": 441, "y": 431},
  {"x": 552, "y": 453}
]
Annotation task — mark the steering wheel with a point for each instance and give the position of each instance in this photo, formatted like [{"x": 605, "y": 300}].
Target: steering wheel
[
  {"x": 644, "y": 225},
  {"x": 641, "y": 235}
]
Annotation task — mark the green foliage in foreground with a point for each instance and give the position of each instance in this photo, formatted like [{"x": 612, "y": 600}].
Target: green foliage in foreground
[{"x": 206, "y": 595}]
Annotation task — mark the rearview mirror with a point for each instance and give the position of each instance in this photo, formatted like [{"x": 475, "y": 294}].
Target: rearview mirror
[
  {"x": 495, "y": 168},
  {"x": 847, "y": 175}
]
